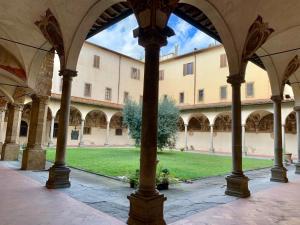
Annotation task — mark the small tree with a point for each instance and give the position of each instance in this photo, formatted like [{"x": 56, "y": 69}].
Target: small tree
[
  {"x": 132, "y": 118},
  {"x": 168, "y": 116}
]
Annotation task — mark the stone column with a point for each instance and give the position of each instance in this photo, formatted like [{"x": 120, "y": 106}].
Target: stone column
[
  {"x": 81, "y": 133},
  {"x": 297, "y": 165},
  {"x": 283, "y": 140},
  {"x": 107, "y": 133},
  {"x": 212, "y": 149},
  {"x": 146, "y": 205},
  {"x": 2, "y": 116},
  {"x": 34, "y": 156},
  {"x": 278, "y": 172},
  {"x": 59, "y": 173},
  {"x": 244, "y": 139},
  {"x": 237, "y": 182},
  {"x": 51, "y": 132},
  {"x": 10, "y": 149},
  {"x": 186, "y": 147}
]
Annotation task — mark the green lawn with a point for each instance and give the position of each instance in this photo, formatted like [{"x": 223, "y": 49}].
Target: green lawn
[{"x": 183, "y": 165}]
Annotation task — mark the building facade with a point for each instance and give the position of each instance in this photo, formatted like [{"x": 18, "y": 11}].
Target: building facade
[{"x": 197, "y": 83}]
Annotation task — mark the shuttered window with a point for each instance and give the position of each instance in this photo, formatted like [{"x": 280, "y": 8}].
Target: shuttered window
[
  {"x": 223, "y": 92},
  {"x": 135, "y": 73},
  {"x": 87, "y": 90},
  {"x": 108, "y": 94},
  {"x": 181, "y": 97},
  {"x": 200, "y": 95},
  {"x": 223, "y": 61},
  {"x": 250, "y": 89},
  {"x": 96, "y": 61},
  {"x": 161, "y": 75},
  {"x": 188, "y": 69}
]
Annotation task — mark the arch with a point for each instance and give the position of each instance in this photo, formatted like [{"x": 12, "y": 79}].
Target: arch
[
  {"x": 26, "y": 112},
  {"x": 254, "y": 124},
  {"x": 23, "y": 128},
  {"x": 180, "y": 125},
  {"x": 198, "y": 122},
  {"x": 291, "y": 124},
  {"x": 96, "y": 118},
  {"x": 80, "y": 34},
  {"x": 221, "y": 26},
  {"x": 222, "y": 122},
  {"x": 116, "y": 121},
  {"x": 75, "y": 116}
]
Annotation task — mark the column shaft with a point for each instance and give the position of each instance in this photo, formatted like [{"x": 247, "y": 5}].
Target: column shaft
[
  {"x": 186, "y": 147},
  {"x": 107, "y": 133},
  {"x": 59, "y": 173},
  {"x": 34, "y": 156},
  {"x": 237, "y": 182},
  {"x": 212, "y": 149},
  {"x": 297, "y": 165},
  {"x": 244, "y": 140},
  {"x": 81, "y": 133},
  {"x": 51, "y": 131},
  {"x": 10, "y": 149},
  {"x": 278, "y": 172}
]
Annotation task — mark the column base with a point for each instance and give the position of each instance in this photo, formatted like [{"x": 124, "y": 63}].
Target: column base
[
  {"x": 58, "y": 177},
  {"x": 81, "y": 144},
  {"x": 146, "y": 210},
  {"x": 297, "y": 166},
  {"x": 278, "y": 174},
  {"x": 1, "y": 146},
  {"x": 237, "y": 185},
  {"x": 33, "y": 159},
  {"x": 10, "y": 152},
  {"x": 212, "y": 150}
]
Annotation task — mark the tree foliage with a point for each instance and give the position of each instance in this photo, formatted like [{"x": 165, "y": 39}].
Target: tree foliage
[{"x": 168, "y": 116}]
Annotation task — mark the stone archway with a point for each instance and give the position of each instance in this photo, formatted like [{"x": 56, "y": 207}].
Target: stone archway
[{"x": 258, "y": 135}]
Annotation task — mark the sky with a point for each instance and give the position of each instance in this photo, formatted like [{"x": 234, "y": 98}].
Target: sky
[{"x": 119, "y": 37}]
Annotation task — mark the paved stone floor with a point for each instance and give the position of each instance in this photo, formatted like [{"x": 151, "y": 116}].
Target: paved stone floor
[{"x": 202, "y": 202}]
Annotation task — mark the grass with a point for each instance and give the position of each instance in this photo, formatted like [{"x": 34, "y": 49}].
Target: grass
[{"x": 124, "y": 161}]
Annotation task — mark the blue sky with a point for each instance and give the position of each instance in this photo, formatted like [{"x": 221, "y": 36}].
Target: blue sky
[{"x": 119, "y": 38}]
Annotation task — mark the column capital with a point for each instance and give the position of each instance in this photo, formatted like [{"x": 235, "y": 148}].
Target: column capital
[
  {"x": 297, "y": 108},
  {"x": 153, "y": 36},
  {"x": 17, "y": 106},
  {"x": 40, "y": 98},
  {"x": 66, "y": 73},
  {"x": 276, "y": 98},
  {"x": 235, "y": 79}
]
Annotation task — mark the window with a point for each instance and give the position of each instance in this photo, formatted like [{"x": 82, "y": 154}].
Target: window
[
  {"x": 250, "y": 89},
  {"x": 87, "y": 90},
  {"x": 181, "y": 97},
  {"x": 161, "y": 75},
  {"x": 135, "y": 73},
  {"x": 96, "y": 61},
  {"x": 23, "y": 129},
  {"x": 200, "y": 95},
  {"x": 141, "y": 99},
  {"x": 108, "y": 94},
  {"x": 188, "y": 68},
  {"x": 126, "y": 97},
  {"x": 119, "y": 132},
  {"x": 223, "y": 92},
  {"x": 223, "y": 61},
  {"x": 55, "y": 130},
  {"x": 87, "y": 130},
  {"x": 61, "y": 84}
]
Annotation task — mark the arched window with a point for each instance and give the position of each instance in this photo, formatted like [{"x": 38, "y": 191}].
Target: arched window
[{"x": 23, "y": 129}]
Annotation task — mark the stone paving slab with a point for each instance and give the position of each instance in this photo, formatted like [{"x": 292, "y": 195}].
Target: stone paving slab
[
  {"x": 24, "y": 202},
  {"x": 184, "y": 200},
  {"x": 275, "y": 206}
]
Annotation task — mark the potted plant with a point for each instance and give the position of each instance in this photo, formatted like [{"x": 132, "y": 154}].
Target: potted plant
[
  {"x": 164, "y": 178},
  {"x": 134, "y": 179},
  {"x": 288, "y": 157}
]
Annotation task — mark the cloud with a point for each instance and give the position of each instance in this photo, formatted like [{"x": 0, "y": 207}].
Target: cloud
[{"x": 119, "y": 38}]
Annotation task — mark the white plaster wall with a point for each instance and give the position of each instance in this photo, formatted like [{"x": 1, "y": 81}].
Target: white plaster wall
[
  {"x": 261, "y": 144},
  {"x": 222, "y": 142}
]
